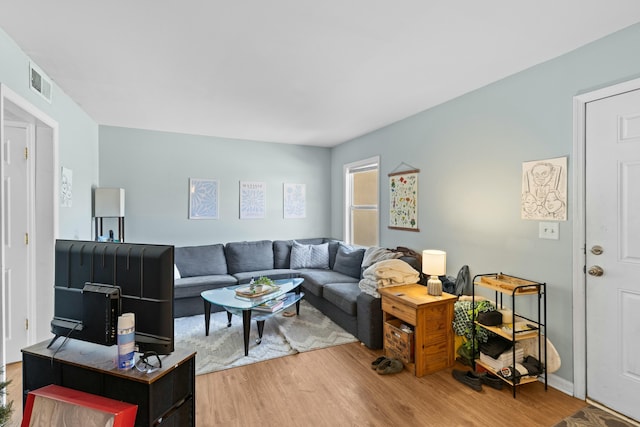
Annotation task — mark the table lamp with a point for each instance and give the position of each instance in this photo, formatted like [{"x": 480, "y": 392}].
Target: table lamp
[{"x": 434, "y": 263}]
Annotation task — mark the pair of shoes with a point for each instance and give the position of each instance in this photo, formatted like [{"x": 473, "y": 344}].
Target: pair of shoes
[
  {"x": 377, "y": 362},
  {"x": 467, "y": 378},
  {"x": 491, "y": 380},
  {"x": 389, "y": 366}
]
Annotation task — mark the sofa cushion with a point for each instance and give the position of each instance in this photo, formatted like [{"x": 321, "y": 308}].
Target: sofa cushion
[
  {"x": 333, "y": 250},
  {"x": 349, "y": 260},
  {"x": 343, "y": 296},
  {"x": 193, "y": 286},
  {"x": 282, "y": 250},
  {"x": 203, "y": 260},
  {"x": 249, "y": 256},
  {"x": 310, "y": 256},
  {"x": 315, "y": 280},
  {"x": 282, "y": 253}
]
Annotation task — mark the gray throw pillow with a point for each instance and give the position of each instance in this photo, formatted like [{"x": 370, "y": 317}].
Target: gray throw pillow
[
  {"x": 349, "y": 261},
  {"x": 310, "y": 256}
]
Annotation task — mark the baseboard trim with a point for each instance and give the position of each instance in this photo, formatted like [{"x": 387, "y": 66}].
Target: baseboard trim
[{"x": 559, "y": 384}]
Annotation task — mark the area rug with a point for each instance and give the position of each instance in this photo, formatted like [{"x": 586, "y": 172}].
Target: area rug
[
  {"x": 592, "y": 416},
  {"x": 282, "y": 336}
]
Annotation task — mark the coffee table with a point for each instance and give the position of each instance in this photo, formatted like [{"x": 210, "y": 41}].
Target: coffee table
[{"x": 226, "y": 297}]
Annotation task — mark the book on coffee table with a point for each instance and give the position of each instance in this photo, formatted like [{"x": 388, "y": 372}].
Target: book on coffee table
[{"x": 270, "y": 306}]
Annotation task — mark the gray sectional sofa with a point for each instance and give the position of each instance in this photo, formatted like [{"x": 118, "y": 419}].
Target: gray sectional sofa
[{"x": 331, "y": 271}]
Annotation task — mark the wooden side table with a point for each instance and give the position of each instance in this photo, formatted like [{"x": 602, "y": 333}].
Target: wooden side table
[{"x": 432, "y": 319}]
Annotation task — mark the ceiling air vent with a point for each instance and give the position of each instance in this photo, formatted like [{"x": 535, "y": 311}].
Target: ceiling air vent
[{"x": 39, "y": 82}]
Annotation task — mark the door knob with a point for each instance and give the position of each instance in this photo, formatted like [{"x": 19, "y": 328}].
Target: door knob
[
  {"x": 597, "y": 250},
  {"x": 596, "y": 270}
]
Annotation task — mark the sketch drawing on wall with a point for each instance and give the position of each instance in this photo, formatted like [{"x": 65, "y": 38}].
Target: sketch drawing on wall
[
  {"x": 544, "y": 189},
  {"x": 66, "y": 188}
]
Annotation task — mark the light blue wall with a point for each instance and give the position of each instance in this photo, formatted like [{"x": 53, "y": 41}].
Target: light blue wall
[
  {"x": 78, "y": 138},
  {"x": 154, "y": 169},
  {"x": 470, "y": 152}
]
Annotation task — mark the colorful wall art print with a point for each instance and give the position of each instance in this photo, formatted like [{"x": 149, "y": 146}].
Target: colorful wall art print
[
  {"x": 544, "y": 189},
  {"x": 253, "y": 200},
  {"x": 203, "y": 198},
  {"x": 403, "y": 197}
]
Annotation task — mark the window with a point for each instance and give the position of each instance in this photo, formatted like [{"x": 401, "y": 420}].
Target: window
[{"x": 361, "y": 202}]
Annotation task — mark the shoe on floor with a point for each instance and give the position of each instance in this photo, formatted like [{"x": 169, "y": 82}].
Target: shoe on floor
[
  {"x": 390, "y": 366},
  {"x": 467, "y": 378},
  {"x": 491, "y": 380},
  {"x": 377, "y": 362}
]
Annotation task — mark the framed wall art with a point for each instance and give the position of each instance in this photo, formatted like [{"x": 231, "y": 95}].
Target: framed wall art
[
  {"x": 294, "y": 203},
  {"x": 204, "y": 195},
  {"x": 403, "y": 200},
  {"x": 66, "y": 188},
  {"x": 544, "y": 189},
  {"x": 253, "y": 200}
]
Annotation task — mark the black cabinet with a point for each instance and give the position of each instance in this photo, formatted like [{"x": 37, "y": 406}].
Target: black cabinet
[{"x": 165, "y": 397}]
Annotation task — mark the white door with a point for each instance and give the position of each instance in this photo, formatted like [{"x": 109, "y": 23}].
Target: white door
[
  {"x": 613, "y": 224},
  {"x": 16, "y": 220}
]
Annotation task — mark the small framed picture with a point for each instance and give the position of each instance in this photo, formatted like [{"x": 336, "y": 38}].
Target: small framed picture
[
  {"x": 204, "y": 196},
  {"x": 294, "y": 203},
  {"x": 253, "y": 200}
]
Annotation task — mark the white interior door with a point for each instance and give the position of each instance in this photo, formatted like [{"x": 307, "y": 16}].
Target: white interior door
[
  {"x": 612, "y": 199},
  {"x": 15, "y": 171}
]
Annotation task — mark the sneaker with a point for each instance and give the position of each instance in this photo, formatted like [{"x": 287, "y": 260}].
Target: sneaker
[
  {"x": 377, "y": 362},
  {"x": 390, "y": 366},
  {"x": 467, "y": 378},
  {"x": 491, "y": 380}
]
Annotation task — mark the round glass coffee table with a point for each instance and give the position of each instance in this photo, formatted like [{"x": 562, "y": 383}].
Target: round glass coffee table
[{"x": 288, "y": 292}]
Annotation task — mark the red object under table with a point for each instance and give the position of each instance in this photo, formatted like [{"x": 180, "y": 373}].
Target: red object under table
[{"x": 56, "y": 405}]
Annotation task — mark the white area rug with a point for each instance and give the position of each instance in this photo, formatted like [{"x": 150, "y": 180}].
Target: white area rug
[{"x": 282, "y": 336}]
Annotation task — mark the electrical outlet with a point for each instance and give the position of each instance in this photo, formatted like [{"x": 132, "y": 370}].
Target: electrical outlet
[{"x": 549, "y": 230}]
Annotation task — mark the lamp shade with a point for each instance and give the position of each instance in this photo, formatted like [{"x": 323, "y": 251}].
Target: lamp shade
[
  {"x": 434, "y": 262},
  {"x": 108, "y": 202}
]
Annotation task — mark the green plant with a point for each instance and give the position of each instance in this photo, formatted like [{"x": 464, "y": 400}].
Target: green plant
[
  {"x": 5, "y": 410},
  {"x": 262, "y": 280},
  {"x": 481, "y": 334}
]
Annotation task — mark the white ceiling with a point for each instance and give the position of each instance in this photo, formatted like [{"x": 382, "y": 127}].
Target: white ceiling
[{"x": 291, "y": 71}]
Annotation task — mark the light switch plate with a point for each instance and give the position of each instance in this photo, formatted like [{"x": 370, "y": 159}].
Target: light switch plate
[{"x": 549, "y": 230}]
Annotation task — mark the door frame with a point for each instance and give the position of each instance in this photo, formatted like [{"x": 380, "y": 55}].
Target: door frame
[
  {"x": 579, "y": 228},
  {"x": 38, "y": 120}
]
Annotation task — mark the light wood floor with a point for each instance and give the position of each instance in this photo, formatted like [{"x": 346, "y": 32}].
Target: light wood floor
[{"x": 337, "y": 387}]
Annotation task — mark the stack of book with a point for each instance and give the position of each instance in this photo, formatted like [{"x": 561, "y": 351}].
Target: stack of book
[
  {"x": 270, "y": 306},
  {"x": 504, "y": 360}
]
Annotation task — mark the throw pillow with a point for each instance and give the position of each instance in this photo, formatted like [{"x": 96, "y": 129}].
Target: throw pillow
[
  {"x": 176, "y": 272},
  {"x": 310, "y": 256},
  {"x": 205, "y": 260},
  {"x": 349, "y": 261}
]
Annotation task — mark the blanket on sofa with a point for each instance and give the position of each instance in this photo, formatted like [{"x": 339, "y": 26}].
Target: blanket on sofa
[{"x": 386, "y": 273}]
